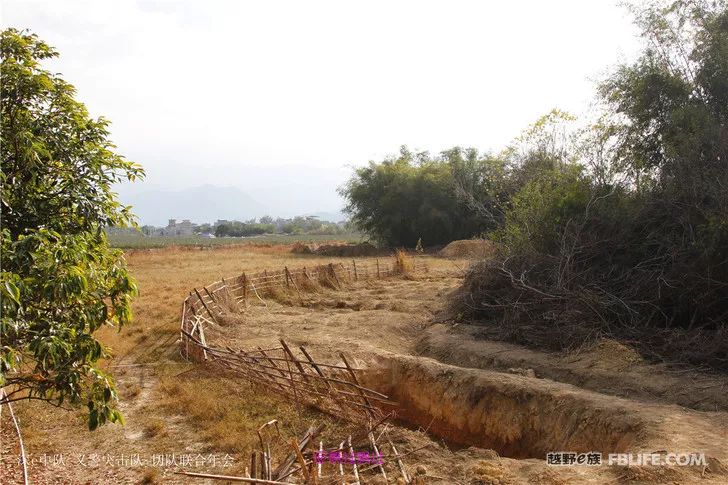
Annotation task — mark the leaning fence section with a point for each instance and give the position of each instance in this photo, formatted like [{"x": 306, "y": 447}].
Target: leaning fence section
[
  {"x": 296, "y": 375},
  {"x": 247, "y": 285},
  {"x": 286, "y": 370}
]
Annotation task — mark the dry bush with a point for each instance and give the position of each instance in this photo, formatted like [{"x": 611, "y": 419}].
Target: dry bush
[
  {"x": 347, "y": 250},
  {"x": 403, "y": 263},
  {"x": 326, "y": 277},
  {"x": 300, "y": 248},
  {"x": 305, "y": 284},
  {"x": 523, "y": 301}
]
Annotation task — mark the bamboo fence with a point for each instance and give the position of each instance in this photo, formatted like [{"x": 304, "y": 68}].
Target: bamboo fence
[{"x": 294, "y": 374}]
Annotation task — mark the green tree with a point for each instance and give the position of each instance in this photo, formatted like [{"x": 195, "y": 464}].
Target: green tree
[
  {"x": 626, "y": 234},
  {"x": 670, "y": 121},
  {"x": 60, "y": 280},
  {"x": 408, "y": 197}
]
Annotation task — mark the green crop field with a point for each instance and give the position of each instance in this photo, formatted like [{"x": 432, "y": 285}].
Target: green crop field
[{"x": 129, "y": 241}]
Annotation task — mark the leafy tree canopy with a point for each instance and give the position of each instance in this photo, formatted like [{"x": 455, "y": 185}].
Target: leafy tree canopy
[
  {"x": 60, "y": 280},
  {"x": 413, "y": 196}
]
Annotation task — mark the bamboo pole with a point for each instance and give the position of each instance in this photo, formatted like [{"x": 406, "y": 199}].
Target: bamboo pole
[
  {"x": 353, "y": 456},
  {"x": 333, "y": 273},
  {"x": 402, "y": 469},
  {"x": 373, "y": 442},
  {"x": 300, "y": 458},
  {"x": 20, "y": 438},
  {"x": 204, "y": 304},
  {"x": 356, "y": 381},
  {"x": 202, "y": 339}
]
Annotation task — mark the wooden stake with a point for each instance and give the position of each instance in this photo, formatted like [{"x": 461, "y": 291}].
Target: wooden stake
[
  {"x": 341, "y": 462},
  {"x": 399, "y": 461},
  {"x": 356, "y": 381},
  {"x": 376, "y": 450},
  {"x": 333, "y": 273},
  {"x": 293, "y": 358},
  {"x": 253, "y": 465},
  {"x": 301, "y": 460},
  {"x": 332, "y": 389},
  {"x": 204, "y": 305},
  {"x": 353, "y": 457},
  {"x": 202, "y": 339},
  {"x": 209, "y": 294}
]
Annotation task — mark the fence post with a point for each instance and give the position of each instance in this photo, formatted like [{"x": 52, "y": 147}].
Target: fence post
[
  {"x": 377, "y": 268},
  {"x": 288, "y": 276},
  {"x": 245, "y": 287},
  {"x": 204, "y": 305},
  {"x": 356, "y": 276},
  {"x": 333, "y": 273}
]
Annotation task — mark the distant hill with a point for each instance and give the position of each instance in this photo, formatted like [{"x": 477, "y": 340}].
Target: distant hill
[{"x": 205, "y": 203}]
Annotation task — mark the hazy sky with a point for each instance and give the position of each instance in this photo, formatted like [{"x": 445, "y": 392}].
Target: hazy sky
[{"x": 200, "y": 91}]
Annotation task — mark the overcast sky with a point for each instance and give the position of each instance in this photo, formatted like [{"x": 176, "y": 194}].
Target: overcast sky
[{"x": 201, "y": 91}]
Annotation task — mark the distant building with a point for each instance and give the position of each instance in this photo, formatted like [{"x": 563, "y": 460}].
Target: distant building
[{"x": 184, "y": 228}]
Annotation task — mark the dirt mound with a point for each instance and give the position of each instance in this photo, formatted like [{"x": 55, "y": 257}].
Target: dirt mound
[
  {"x": 338, "y": 250},
  {"x": 300, "y": 248},
  {"x": 469, "y": 248},
  {"x": 610, "y": 354},
  {"x": 347, "y": 250}
]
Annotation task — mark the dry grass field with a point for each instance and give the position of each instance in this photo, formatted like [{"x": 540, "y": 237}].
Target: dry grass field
[{"x": 482, "y": 411}]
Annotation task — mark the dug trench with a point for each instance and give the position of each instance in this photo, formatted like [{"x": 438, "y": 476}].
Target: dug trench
[
  {"x": 525, "y": 417},
  {"x": 520, "y": 417}
]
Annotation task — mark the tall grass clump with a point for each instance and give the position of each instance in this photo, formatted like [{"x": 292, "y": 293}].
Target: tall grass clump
[{"x": 403, "y": 262}]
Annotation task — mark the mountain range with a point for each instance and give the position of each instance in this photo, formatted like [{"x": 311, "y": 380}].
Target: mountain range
[{"x": 208, "y": 203}]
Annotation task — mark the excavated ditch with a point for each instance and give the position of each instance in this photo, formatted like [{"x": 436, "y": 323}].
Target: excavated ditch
[{"x": 519, "y": 417}]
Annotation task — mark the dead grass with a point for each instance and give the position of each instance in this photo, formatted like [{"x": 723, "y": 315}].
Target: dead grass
[
  {"x": 154, "y": 427},
  {"x": 150, "y": 476},
  {"x": 165, "y": 276},
  {"x": 227, "y": 411},
  {"x": 166, "y": 414}
]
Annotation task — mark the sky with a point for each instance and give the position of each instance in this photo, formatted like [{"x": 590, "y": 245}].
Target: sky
[{"x": 272, "y": 94}]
